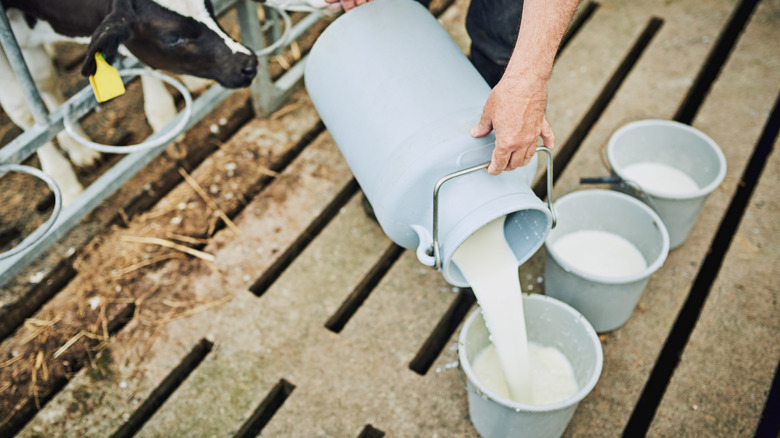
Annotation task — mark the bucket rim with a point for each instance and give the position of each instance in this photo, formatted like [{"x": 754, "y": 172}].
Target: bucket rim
[
  {"x": 581, "y": 393},
  {"x": 703, "y": 191},
  {"x": 642, "y": 275}
]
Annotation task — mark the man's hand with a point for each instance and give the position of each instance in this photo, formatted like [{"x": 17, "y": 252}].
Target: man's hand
[
  {"x": 348, "y": 4},
  {"x": 326, "y": 6},
  {"x": 515, "y": 110},
  {"x": 515, "y": 107}
]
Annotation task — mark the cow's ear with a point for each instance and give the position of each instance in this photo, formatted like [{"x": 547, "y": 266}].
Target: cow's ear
[{"x": 111, "y": 32}]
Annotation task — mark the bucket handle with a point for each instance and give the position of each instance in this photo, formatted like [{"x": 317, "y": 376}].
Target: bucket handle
[
  {"x": 434, "y": 251},
  {"x": 617, "y": 183}
]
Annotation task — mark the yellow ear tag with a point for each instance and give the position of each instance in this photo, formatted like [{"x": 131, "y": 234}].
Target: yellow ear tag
[{"x": 106, "y": 82}]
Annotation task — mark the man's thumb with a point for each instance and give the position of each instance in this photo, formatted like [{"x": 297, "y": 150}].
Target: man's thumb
[{"x": 483, "y": 128}]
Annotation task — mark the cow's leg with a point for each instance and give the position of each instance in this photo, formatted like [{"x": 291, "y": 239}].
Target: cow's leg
[
  {"x": 45, "y": 75},
  {"x": 158, "y": 103},
  {"x": 15, "y": 105},
  {"x": 58, "y": 167},
  {"x": 159, "y": 106}
]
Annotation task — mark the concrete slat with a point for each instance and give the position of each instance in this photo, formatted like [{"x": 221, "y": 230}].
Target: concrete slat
[
  {"x": 726, "y": 370},
  {"x": 398, "y": 426},
  {"x": 631, "y": 351},
  {"x": 720, "y": 386},
  {"x": 360, "y": 376},
  {"x": 403, "y": 285},
  {"x": 301, "y": 192},
  {"x": 280, "y": 335},
  {"x": 373, "y": 383}
]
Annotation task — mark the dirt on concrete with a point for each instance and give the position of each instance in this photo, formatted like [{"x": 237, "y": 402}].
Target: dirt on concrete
[{"x": 71, "y": 331}]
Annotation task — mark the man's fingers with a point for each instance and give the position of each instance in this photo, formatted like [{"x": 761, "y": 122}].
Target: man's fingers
[
  {"x": 524, "y": 156},
  {"x": 548, "y": 138},
  {"x": 483, "y": 128},
  {"x": 521, "y": 158},
  {"x": 529, "y": 153},
  {"x": 499, "y": 161}
]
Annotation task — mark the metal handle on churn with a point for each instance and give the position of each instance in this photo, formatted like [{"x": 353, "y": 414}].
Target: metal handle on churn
[{"x": 434, "y": 249}]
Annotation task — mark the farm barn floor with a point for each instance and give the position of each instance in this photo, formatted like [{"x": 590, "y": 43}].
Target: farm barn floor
[{"x": 285, "y": 311}]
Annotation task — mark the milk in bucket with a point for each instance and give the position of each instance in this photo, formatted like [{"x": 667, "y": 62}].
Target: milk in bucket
[
  {"x": 660, "y": 178},
  {"x": 553, "y": 376},
  {"x": 542, "y": 375},
  {"x": 549, "y": 322},
  {"x": 677, "y": 166},
  {"x": 600, "y": 253}
]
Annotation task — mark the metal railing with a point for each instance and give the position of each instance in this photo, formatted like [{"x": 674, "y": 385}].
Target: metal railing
[{"x": 267, "y": 96}]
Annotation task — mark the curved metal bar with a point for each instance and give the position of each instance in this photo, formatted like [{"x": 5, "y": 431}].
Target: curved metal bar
[
  {"x": 158, "y": 139},
  {"x": 284, "y": 39},
  {"x": 46, "y": 226},
  {"x": 14, "y": 55},
  {"x": 635, "y": 190},
  {"x": 434, "y": 250},
  {"x": 550, "y": 206}
]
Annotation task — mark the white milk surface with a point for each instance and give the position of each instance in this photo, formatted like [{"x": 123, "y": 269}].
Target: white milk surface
[
  {"x": 599, "y": 253},
  {"x": 553, "y": 381},
  {"x": 660, "y": 178},
  {"x": 490, "y": 267}
]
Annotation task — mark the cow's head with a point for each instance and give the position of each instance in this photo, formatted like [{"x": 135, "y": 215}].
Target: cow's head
[{"x": 181, "y": 36}]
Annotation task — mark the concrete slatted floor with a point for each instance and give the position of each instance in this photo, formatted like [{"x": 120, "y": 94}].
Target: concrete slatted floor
[{"x": 310, "y": 322}]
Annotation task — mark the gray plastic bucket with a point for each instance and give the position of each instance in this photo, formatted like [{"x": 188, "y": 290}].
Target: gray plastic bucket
[
  {"x": 399, "y": 98},
  {"x": 551, "y": 323},
  {"x": 607, "y": 302},
  {"x": 677, "y": 145}
]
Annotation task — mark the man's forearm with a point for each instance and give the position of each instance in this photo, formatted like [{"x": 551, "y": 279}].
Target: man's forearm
[{"x": 543, "y": 24}]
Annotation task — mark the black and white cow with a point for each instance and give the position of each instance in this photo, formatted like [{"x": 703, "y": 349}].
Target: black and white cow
[{"x": 179, "y": 36}]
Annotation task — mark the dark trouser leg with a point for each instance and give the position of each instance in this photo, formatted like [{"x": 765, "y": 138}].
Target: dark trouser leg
[
  {"x": 489, "y": 69},
  {"x": 493, "y": 26}
]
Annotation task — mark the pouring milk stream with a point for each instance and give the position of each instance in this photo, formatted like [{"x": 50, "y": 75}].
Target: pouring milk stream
[{"x": 489, "y": 265}]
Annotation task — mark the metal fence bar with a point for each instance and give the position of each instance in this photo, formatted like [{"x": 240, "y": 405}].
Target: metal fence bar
[
  {"x": 221, "y": 6},
  {"x": 104, "y": 186},
  {"x": 30, "y": 140},
  {"x": 304, "y": 25},
  {"x": 272, "y": 95},
  {"x": 291, "y": 77},
  {"x": 14, "y": 55},
  {"x": 252, "y": 36},
  {"x": 267, "y": 96},
  {"x": 285, "y": 84}
]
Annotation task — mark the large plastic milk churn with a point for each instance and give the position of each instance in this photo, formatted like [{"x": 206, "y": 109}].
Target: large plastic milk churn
[{"x": 399, "y": 98}]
